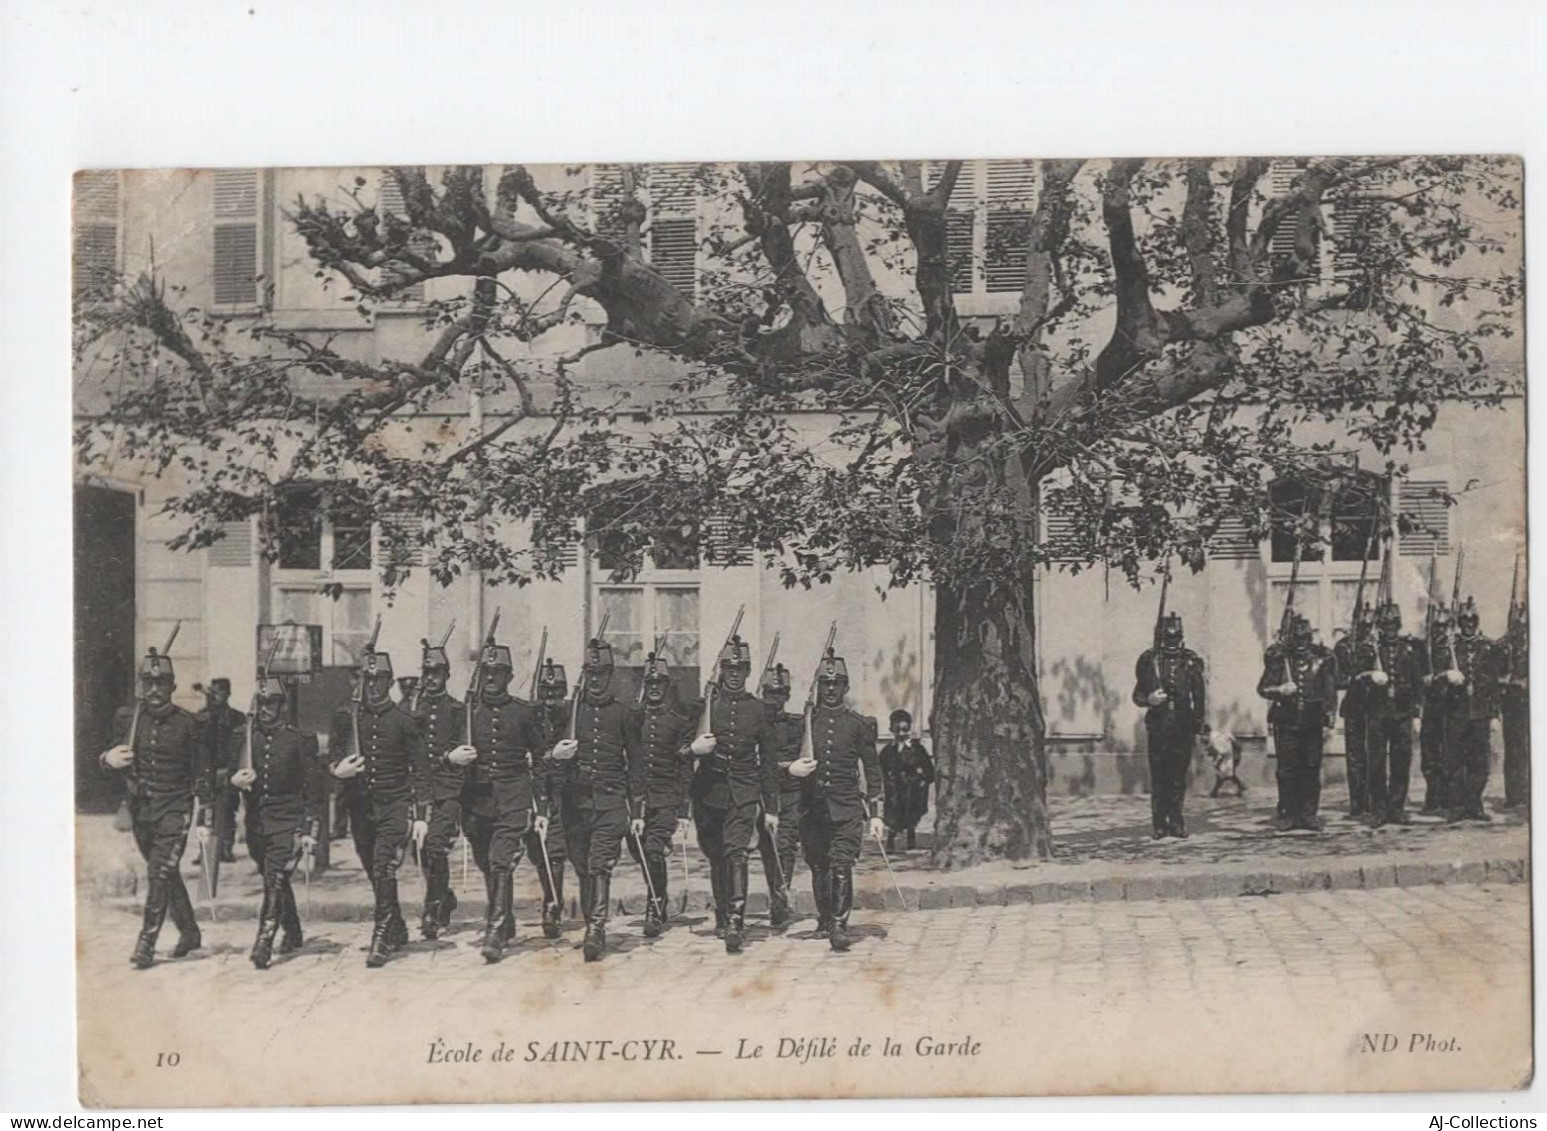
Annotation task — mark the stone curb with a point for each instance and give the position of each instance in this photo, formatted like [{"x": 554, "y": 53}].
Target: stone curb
[{"x": 1184, "y": 885}]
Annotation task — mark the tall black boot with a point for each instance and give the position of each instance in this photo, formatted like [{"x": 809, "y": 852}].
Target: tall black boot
[
  {"x": 843, "y": 901},
  {"x": 507, "y": 892},
  {"x": 553, "y": 897},
  {"x": 655, "y": 905},
  {"x": 397, "y": 926},
  {"x": 437, "y": 886},
  {"x": 736, "y": 902},
  {"x": 268, "y": 923},
  {"x": 912, "y": 839},
  {"x": 499, "y": 911},
  {"x": 386, "y": 901},
  {"x": 781, "y": 904},
  {"x": 822, "y": 893},
  {"x": 289, "y": 918},
  {"x": 717, "y": 886},
  {"x": 596, "y": 918},
  {"x": 180, "y": 906},
  {"x": 155, "y": 913}
]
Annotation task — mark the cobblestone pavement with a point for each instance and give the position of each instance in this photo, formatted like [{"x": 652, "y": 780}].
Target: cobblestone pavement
[{"x": 1214, "y": 994}]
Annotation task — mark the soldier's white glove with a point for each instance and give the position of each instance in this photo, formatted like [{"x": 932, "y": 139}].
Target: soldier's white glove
[
  {"x": 540, "y": 824},
  {"x": 1453, "y": 676},
  {"x": 876, "y": 828},
  {"x": 243, "y": 779},
  {"x": 349, "y": 767},
  {"x": 637, "y": 827},
  {"x": 308, "y": 844},
  {"x": 419, "y": 830},
  {"x": 803, "y": 767},
  {"x": 1157, "y": 697},
  {"x": 703, "y": 744},
  {"x": 1288, "y": 688},
  {"x": 461, "y": 755},
  {"x": 1379, "y": 679},
  {"x": 771, "y": 823},
  {"x": 564, "y": 750},
  {"x": 117, "y": 757},
  {"x": 683, "y": 825}
]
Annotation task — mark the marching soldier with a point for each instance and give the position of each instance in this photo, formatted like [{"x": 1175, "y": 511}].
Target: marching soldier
[
  {"x": 1438, "y": 703},
  {"x": 160, "y": 750},
  {"x": 907, "y": 772},
  {"x": 283, "y": 777},
  {"x": 378, "y": 751},
  {"x": 737, "y": 771},
  {"x": 1354, "y": 655},
  {"x": 224, "y": 728},
  {"x": 667, "y": 732},
  {"x": 1299, "y": 678},
  {"x": 777, "y": 847},
  {"x": 1169, "y": 683},
  {"x": 835, "y": 810},
  {"x": 1515, "y": 707},
  {"x": 503, "y": 791},
  {"x": 547, "y": 849},
  {"x": 1474, "y": 679},
  {"x": 1384, "y": 689},
  {"x": 598, "y": 784},
  {"x": 442, "y": 721}
]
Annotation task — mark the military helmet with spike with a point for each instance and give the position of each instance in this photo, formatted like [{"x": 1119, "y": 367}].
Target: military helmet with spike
[
  {"x": 551, "y": 681},
  {"x": 832, "y": 669},
  {"x": 736, "y": 653},
  {"x": 776, "y": 680}
]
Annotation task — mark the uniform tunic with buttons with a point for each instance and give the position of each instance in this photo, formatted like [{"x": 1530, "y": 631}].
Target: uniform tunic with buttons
[
  {"x": 602, "y": 786},
  {"x": 170, "y": 769},
  {"x": 286, "y": 773},
  {"x": 837, "y": 801},
  {"x": 744, "y": 767},
  {"x": 442, "y": 720},
  {"x": 666, "y": 732},
  {"x": 1298, "y": 720},
  {"x": 391, "y": 791},
  {"x": 1468, "y": 745},
  {"x": 504, "y": 782}
]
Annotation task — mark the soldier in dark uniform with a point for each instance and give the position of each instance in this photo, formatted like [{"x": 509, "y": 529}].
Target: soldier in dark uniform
[
  {"x": 1439, "y": 698},
  {"x": 1353, "y": 655},
  {"x": 666, "y": 730},
  {"x": 907, "y": 771},
  {"x": 1515, "y": 707},
  {"x": 387, "y": 772},
  {"x": 165, "y": 764},
  {"x": 835, "y": 811},
  {"x": 284, "y": 777},
  {"x": 1300, "y": 680},
  {"x": 547, "y": 849},
  {"x": 1169, "y": 683},
  {"x": 504, "y": 789},
  {"x": 442, "y": 721},
  {"x": 598, "y": 782},
  {"x": 778, "y": 847},
  {"x": 225, "y": 729},
  {"x": 1475, "y": 680},
  {"x": 1384, "y": 687},
  {"x": 737, "y": 772}
]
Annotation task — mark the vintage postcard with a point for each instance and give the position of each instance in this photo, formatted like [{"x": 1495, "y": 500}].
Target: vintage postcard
[{"x": 801, "y": 629}]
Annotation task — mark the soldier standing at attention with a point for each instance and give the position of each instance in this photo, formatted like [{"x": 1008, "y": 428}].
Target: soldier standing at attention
[
  {"x": 283, "y": 777},
  {"x": 160, "y": 750},
  {"x": 778, "y": 847},
  {"x": 1474, "y": 679},
  {"x": 503, "y": 788},
  {"x": 442, "y": 721},
  {"x": 737, "y": 771},
  {"x": 1299, "y": 678},
  {"x": 1169, "y": 682},
  {"x": 598, "y": 782},
  {"x": 225, "y": 729},
  {"x": 548, "y": 850},
  {"x": 835, "y": 809},
  {"x": 1354, "y": 655},
  {"x": 667, "y": 732},
  {"x": 1515, "y": 706},
  {"x": 1438, "y": 703},
  {"x": 1387, "y": 683},
  {"x": 379, "y": 751}
]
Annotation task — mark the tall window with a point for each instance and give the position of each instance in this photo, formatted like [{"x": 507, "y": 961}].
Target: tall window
[
  {"x": 389, "y": 202},
  {"x": 671, "y": 193},
  {"x": 96, "y": 235},
  {"x": 322, "y": 573},
  {"x": 988, "y": 220},
  {"x": 1350, "y": 518},
  {"x": 235, "y": 262}
]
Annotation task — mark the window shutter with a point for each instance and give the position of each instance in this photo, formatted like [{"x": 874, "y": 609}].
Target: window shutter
[
  {"x": 390, "y": 201},
  {"x": 1281, "y": 178},
  {"x": 407, "y": 526},
  {"x": 720, "y": 545},
  {"x": 1011, "y": 186},
  {"x": 1350, "y": 232},
  {"x": 1423, "y": 518},
  {"x": 960, "y": 211},
  {"x": 606, "y": 200},
  {"x": 674, "y": 223},
  {"x": 235, "y": 549},
  {"x": 1232, "y": 541},
  {"x": 236, "y": 237},
  {"x": 96, "y": 234}
]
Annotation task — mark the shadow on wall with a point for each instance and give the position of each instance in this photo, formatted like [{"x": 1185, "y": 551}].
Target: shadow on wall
[
  {"x": 1080, "y": 695},
  {"x": 898, "y": 680}
]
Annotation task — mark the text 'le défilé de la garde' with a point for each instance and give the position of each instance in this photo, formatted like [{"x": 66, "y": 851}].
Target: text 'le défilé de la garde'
[{"x": 800, "y": 1050}]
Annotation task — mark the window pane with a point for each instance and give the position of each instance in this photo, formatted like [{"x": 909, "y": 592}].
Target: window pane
[
  {"x": 300, "y": 530},
  {"x": 352, "y": 623},
  {"x": 1343, "y": 593},
  {"x": 676, "y": 617},
  {"x": 675, "y": 547},
  {"x": 1288, "y": 502},
  {"x": 1306, "y": 603},
  {"x": 295, "y": 605},
  {"x": 624, "y": 609},
  {"x": 1356, "y": 514},
  {"x": 351, "y": 547}
]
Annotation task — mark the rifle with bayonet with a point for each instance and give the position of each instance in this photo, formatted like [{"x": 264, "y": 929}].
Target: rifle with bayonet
[
  {"x": 413, "y": 704},
  {"x": 712, "y": 687},
  {"x": 768, "y": 665},
  {"x": 1512, "y": 624},
  {"x": 357, "y": 693},
  {"x": 655, "y": 651},
  {"x": 1455, "y": 608},
  {"x": 542, "y": 654},
  {"x": 1286, "y": 622},
  {"x": 580, "y": 684},
  {"x": 807, "y": 744},
  {"x": 1155, "y": 638},
  {"x": 475, "y": 681}
]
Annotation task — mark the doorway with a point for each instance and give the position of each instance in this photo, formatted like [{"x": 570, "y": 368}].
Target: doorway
[{"x": 104, "y": 632}]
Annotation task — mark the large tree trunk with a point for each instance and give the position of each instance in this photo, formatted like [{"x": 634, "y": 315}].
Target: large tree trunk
[{"x": 991, "y": 794}]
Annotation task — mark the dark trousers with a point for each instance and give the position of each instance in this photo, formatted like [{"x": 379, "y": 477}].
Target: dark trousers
[
  {"x": 380, "y": 828},
  {"x": 1170, "y": 752},
  {"x": 274, "y": 841},
  {"x": 1389, "y": 756},
  {"x": 161, "y": 835},
  {"x": 595, "y": 838},
  {"x": 230, "y": 799},
  {"x": 1467, "y": 751},
  {"x": 556, "y": 850},
  {"x": 1357, "y": 757},
  {"x": 1516, "y": 722},
  {"x": 1431, "y": 756},
  {"x": 778, "y": 852},
  {"x": 829, "y": 841},
  {"x": 1298, "y": 750}
]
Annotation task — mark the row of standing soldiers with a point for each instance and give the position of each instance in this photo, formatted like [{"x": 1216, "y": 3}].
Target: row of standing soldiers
[
  {"x": 565, "y": 780},
  {"x": 1456, "y": 681}
]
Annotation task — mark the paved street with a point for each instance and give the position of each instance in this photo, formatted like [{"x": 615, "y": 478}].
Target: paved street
[{"x": 1234, "y": 994}]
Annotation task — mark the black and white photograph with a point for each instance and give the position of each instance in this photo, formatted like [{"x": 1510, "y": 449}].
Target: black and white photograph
[{"x": 797, "y": 629}]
